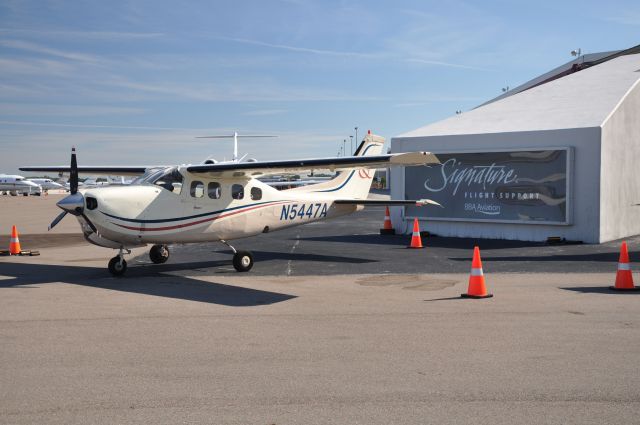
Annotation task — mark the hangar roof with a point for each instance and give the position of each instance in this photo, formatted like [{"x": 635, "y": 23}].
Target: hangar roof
[
  {"x": 582, "y": 99},
  {"x": 554, "y": 73}
]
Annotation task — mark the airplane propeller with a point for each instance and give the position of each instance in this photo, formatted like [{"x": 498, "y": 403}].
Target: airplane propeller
[{"x": 74, "y": 203}]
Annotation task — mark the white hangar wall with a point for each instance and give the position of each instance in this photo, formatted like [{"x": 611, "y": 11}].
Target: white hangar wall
[
  {"x": 584, "y": 214},
  {"x": 620, "y": 170}
]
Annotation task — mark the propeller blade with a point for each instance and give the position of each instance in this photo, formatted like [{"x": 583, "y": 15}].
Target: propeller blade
[
  {"x": 73, "y": 172},
  {"x": 93, "y": 227},
  {"x": 57, "y": 220}
]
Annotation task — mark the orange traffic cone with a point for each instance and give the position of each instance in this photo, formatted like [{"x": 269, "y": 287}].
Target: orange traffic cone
[
  {"x": 14, "y": 244},
  {"x": 624, "y": 277},
  {"x": 477, "y": 289},
  {"x": 416, "y": 240},
  {"x": 387, "y": 229}
]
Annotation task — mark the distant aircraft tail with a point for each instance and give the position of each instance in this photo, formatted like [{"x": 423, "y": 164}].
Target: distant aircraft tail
[{"x": 356, "y": 182}]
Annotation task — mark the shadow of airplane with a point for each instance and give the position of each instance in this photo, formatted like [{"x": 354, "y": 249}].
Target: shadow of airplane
[
  {"x": 144, "y": 280},
  {"x": 274, "y": 255}
]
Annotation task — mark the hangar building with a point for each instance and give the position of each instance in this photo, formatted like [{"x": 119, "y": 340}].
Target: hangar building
[{"x": 558, "y": 156}]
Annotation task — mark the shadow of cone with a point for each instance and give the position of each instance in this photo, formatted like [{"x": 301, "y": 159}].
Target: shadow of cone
[
  {"x": 416, "y": 239},
  {"x": 387, "y": 229},
  {"x": 14, "y": 243},
  {"x": 477, "y": 288},
  {"x": 624, "y": 276}
]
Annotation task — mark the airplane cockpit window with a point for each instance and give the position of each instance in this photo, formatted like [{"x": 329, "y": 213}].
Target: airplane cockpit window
[
  {"x": 213, "y": 189},
  {"x": 256, "y": 193},
  {"x": 167, "y": 178},
  {"x": 237, "y": 191}
]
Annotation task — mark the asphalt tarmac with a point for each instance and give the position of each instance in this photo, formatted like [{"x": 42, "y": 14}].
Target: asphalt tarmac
[
  {"x": 347, "y": 245},
  {"x": 353, "y": 245},
  {"x": 333, "y": 325}
]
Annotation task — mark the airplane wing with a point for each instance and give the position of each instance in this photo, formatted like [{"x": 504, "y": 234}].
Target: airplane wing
[
  {"x": 250, "y": 169},
  {"x": 296, "y": 165},
  {"x": 388, "y": 202},
  {"x": 96, "y": 171}
]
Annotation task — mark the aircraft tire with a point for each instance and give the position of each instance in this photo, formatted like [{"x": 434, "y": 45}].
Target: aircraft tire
[
  {"x": 159, "y": 254},
  {"x": 115, "y": 268},
  {"x": 242, "y": 261}
]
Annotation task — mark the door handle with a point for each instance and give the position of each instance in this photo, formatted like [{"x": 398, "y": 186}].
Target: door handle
[{"x": 195, "y": 207}]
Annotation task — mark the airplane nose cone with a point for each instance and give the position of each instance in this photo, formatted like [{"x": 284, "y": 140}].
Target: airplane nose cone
[{"x": 73, "y": 204}]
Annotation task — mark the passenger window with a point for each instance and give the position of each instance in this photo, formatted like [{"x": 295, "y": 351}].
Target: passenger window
[
  {"x": 237, "y": 191},
  {"x": 256, "y": 193},
  {"x": 213, "y": 189},
  {"x": 197, "y": 189}
]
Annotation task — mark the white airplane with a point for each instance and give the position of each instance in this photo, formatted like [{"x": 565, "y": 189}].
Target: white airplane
[
  {"x": 18, "y": 184},
  {"x": 219, "y": 202},
  {"x": 46, "y": 184}
]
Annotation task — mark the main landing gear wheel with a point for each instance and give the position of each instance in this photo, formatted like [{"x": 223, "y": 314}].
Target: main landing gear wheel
[
  {"x": 159, "y": 254},
  {"x": 242, "y": 261},
  {"x": 117, "y": 266}
]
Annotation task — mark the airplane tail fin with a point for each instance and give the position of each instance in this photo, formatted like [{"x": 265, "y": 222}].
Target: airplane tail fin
[{"x": 356, "y": 182}]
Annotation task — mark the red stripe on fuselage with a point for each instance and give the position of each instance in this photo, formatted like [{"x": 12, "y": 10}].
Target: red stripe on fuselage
[{"x": 180, "y": 226}]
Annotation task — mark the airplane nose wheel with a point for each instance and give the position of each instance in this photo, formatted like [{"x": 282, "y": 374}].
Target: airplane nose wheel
[
  {"x": 117, "y": 265},
  {"x": 242, "y": 261},
  {"x": 159, "y": 254}
]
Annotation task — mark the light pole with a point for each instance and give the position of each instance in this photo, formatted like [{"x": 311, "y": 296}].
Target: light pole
[
  {"x": 351, "y": 137},
  {"x": 344, "y": 146},
  {"x": 356, "y": 129}
]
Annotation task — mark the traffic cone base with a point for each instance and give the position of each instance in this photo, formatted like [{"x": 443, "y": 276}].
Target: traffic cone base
[
  {"x": 635, "y": 288},
  {"x": 475, "y": 296},
  {"x": 387, "y": 229},
  {"x": 477, "y": 288},
  {"x": 416, "y": 240}
]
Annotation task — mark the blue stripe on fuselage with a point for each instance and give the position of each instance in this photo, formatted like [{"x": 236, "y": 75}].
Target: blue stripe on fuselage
[
  {"x": 348, "y": 178},
  {"x": 339, "y": 187},
  {"x": 168, "y": 220}
]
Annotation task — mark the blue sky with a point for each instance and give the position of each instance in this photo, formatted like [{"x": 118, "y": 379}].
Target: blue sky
[{"x": 133, "y": 82}]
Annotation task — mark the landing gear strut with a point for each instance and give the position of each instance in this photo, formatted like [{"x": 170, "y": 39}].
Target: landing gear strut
[
  {"x": 117, "y": 265},
  {"x": 242, "y": 260},
  {"x": 159, "y": 254}
]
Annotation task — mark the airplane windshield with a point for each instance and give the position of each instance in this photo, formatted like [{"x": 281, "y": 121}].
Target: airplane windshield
[
  {"x": 148, "y": 175},
  {"x": 167, "y": 178}
]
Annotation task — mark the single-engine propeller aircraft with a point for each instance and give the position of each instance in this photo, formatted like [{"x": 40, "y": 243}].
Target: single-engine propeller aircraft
[{"x": 219, "y": 202}]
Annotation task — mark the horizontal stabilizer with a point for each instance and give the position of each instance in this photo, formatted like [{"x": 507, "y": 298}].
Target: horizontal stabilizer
[{"x": 390, "y": 202}]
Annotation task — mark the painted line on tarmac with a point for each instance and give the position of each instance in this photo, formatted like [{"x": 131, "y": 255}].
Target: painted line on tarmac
[{"x": 293, "y": 248}]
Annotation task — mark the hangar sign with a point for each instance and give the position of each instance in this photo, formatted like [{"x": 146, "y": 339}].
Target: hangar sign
[{"x": 506, "y": 186}]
